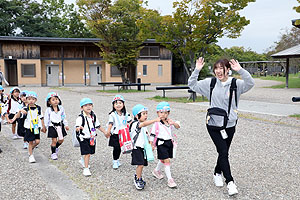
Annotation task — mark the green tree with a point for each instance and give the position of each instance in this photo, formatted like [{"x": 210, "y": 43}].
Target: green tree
[
  {"x": 297, "y": 8},
  {"x": 116, "y": 25},
  {"x": 9, "y": 11},
  {"x": 196, "y": 25}
]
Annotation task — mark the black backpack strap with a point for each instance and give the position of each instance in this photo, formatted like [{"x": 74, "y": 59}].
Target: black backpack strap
[
  {"x": 233, "y": 87},
  {"x": 212, "y": 85}
]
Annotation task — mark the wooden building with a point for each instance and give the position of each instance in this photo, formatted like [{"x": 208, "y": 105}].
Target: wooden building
[{"x": 42, "y": 61}]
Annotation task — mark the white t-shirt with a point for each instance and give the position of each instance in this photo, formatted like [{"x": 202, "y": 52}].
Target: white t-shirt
[
  {"x": 140, "y": 142},
  {"x": 33, "y": 113},
  {"x": 118, "y": 122},
  {"x": 88, "y": 121},
  {"x": 164, "y": 132},
  {"x": 52, "y": 116},
  {"x": 14, "y": 106}
]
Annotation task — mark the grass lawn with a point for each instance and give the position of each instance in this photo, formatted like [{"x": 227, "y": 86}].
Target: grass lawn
[
  {"x": 296, "y": 116},
  {"x": 294, "y": 81},
  {"x": 122, "y": 91},
  {"x": 177, "y": 99}
]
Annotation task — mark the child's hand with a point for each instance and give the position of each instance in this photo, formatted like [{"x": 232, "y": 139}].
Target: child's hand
[
  {"x": 79, "y": 128},
  {"x": 23, "y": 112},
  {"x": 67, "y": 128},
  {"x": 10, "y": 121},
  {"x": 157, "y": 119},
  {"x": 171, "y": 122},
  {"x": 44, "y": 129},
  {"x": 107, "y": 135}
]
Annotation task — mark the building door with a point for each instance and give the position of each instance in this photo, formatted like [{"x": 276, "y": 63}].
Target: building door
[
  {"x": 11, "y": 74},
  {"x": 52, "y": 75},
  {"x": 95, "y": 74}
]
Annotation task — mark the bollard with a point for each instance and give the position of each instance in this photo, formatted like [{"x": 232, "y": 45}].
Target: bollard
[{"x": 139, "y": 81}]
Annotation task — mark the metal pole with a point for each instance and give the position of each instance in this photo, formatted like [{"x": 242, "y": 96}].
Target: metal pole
[
  {"x": 62, "y": 66},
  {"x": 287, "y": 73},
  {"x": 84, "y": 60}
]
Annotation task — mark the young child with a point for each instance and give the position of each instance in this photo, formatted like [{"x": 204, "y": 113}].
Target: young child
[
  {"x": 13, "y": 107},
  {"x": 161, "y": 134},
  {"x": 86, "y": 125},
  {"x": 55, "y": 122},
  {"x": 118, "y": 119},
  {"x": 34, "y": 123},
  {"x": 137, "y": 131},
  {"x": 3, "y": 101},
  {"x": 21, "y": 130}
]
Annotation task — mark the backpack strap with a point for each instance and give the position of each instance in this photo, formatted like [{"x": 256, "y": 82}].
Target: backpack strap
[
  {"x": 212, "y": 85},
  {"x": 233, "y": 87}
]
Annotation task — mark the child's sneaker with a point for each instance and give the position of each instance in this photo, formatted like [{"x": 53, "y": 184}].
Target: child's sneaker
[
  {"x": 31, "y": 159},
  {"x": 14, "y": 137},
  {"x": 25, "y": 145},
  {"x": 171, "y": 183},
  {"x": 86, "y": 172},
  {"x": 218, "y": 180},
  {"x": 119, "y": 164},
  {"x": 232, "y": 189},
  {"x": 54, "y": 156},
  {"x": 138, "y": 183},
  {"x": 115, "y": 164},
  {"x": 56, "y": 151},
  {"x": 157, "y": 174},
  {"x": 19, "y": 137}
]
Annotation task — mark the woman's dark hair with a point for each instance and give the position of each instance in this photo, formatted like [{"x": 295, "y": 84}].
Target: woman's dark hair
[
  {"x": 113, "y": 108},
  {"x": 48, "y": 102},
  {"x": 223, "y": 63}
]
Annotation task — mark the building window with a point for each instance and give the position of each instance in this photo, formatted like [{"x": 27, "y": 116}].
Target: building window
[
  {"x": 28, "y": 70},
  {"x": 144, "y": 70},
  {"x": 114, "y": 71},
  {"x": 149, "y": 51},
  {"x": 160, "y": 70}
]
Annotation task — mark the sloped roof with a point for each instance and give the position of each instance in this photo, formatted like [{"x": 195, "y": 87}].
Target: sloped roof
[{"x": 292, "y": 52}]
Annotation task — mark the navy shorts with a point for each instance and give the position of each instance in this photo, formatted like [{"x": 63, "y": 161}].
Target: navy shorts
[
  {"x": 86, "y": 148},
  {"x": 138, "y": 157},
  {"x": 165, "y": 150},
  {"x": 30, "y": 136}
]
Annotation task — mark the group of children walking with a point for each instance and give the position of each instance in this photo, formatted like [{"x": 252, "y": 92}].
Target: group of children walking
[{"x": 21, "y": 107}]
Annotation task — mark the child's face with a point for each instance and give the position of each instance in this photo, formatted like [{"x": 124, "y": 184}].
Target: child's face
[
  {"x": 31, "y": 100},
  {"x": 23, "y": 98},
  {"x": 16, "y": 93},
  {"x": 163, "y": 115},
  {"x": 87, "y": 108},
  {"x": 118, "y": 105},
  {"x": 54, "y": 101},
  {"x": 144, "y": 116}
]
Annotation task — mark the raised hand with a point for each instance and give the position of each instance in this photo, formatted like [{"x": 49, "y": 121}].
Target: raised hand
[
  {"x": 200, "y": 63},
  {"x": 235, "y": 65}
]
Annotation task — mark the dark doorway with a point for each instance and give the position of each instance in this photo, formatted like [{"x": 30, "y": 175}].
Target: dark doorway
[
  {"x": 11, "y": 72},
  {"x": 132, "y": 74}
]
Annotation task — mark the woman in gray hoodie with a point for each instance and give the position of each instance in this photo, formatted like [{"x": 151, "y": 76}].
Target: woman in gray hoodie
[{"x": 219, "y": 98}]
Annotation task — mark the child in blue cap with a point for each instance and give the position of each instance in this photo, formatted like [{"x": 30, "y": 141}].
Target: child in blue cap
[
  {"x": 86, "y": 125},
  {"x": 34, "y": 123},
  {"x": 163, "y": 138},
  {"x": 138, "y": 131},
  {"x": 55, "y": 122},
  {"x": 118, "y": 119}
]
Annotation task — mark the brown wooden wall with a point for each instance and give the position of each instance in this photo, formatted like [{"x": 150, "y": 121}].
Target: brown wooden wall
[{"x": 20, "y": 50}]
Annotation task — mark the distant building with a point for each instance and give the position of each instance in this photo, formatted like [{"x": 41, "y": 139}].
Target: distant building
[{"x": 43, "y": 61}]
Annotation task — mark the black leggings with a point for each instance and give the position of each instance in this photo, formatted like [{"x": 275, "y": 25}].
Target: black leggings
[
  {"x": 116, "y": 153},
  {"x": 222, "y": 147}
]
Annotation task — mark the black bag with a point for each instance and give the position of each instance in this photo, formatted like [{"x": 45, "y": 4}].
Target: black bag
[{"x": 220, "y": 115}]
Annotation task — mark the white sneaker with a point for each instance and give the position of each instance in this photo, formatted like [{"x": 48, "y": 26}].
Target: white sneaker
[
  {"x": 232, "y": 189},
  {"x": 14, "y": 137},
  {"x": 218, "y": 180},
  {"x": 81, "y": 161},
  {"x": 54, "y": 156},
  {"x": 19, "y": 137},
  {"x": 31, "y": 159},
  {"x": 86, "y": 172},
  {"x": 25, "y": 145}
]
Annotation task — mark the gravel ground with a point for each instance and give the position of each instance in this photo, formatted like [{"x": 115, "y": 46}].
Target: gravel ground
[{"x": 264, "y": 155}]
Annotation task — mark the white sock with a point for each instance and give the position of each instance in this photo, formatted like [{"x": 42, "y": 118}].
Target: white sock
[
  {"x": 168, "y": 170},
  {"x": 159, "y": 166}
]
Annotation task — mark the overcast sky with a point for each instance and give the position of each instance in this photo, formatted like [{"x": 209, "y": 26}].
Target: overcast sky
[{"x": 268, "y": 18}]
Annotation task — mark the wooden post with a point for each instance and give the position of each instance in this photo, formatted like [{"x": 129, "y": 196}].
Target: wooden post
[
  {"x": 62, "y": 66},
  {"x": 287, "y": 73}
]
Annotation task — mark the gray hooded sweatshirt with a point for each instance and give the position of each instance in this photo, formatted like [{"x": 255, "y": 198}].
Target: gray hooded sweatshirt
[{"x": 220, "y": 94}]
